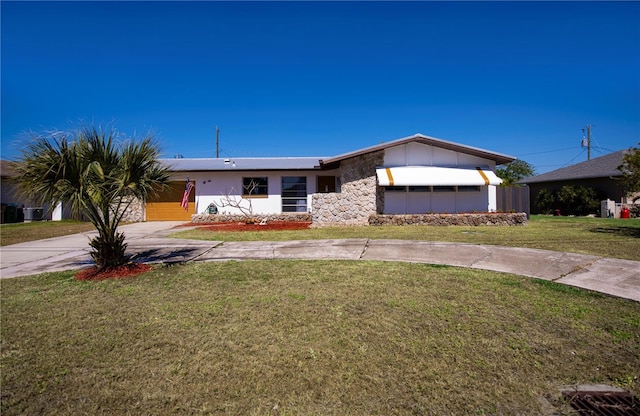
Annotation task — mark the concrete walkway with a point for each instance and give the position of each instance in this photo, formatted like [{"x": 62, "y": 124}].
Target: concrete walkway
[{"x": 148, "y": 243}]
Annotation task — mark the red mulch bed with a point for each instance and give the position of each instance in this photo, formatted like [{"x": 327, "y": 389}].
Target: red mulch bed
[
  {"x": 128, "y": 270},
  {"x": 269, "y": 226}
]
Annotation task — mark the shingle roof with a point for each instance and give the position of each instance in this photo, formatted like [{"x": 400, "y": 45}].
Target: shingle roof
[
  {"x": 600, "y": 167},
  {"x": 241, "y": 163},
  {"x": 6, "y": 169},
  {"x": 307, "y": 163}
]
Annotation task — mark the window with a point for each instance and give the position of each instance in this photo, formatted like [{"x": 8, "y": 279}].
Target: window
[
  {"x": 472, "y": 188},
  {"x": 444, "y": 189},
  {"x": 258, "y": 186},
  {"x": 395, "y": 188},
  {"x": 326, "y": 184},
  {"x": 419, "y": 189},
  {"x": 448, "y": 188},
  {"x": 294, "y": 194}
]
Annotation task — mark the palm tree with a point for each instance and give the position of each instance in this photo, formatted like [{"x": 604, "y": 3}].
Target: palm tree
[{"x": 98, "y": 175}]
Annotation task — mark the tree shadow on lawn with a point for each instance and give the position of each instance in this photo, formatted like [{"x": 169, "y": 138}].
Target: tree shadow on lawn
[
  {"x": 162, "y": 255},
  {"x": 633, "y": 232},
  {"x": 139, "y": 263}
]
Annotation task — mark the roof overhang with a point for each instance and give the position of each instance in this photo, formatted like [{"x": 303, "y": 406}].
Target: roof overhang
[{"x": 436, "y": 176}]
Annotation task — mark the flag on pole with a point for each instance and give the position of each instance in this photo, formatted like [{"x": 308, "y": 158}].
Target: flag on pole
[{"x": 185, "y": 197}]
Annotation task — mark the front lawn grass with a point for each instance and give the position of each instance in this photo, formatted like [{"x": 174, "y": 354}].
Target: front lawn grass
[
  {"x": 287, "y": 337},
  {"x": 39, "y": 230},
  {"x": 604, "y": 237}
]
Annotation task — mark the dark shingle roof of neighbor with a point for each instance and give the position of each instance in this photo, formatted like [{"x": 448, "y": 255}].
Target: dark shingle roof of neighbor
[
  {"x": 600, "y": 167},
  {"x": 6, "y": 169}
]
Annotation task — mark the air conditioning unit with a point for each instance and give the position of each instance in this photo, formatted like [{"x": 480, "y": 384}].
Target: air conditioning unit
[{"x": 33, "y": 214}]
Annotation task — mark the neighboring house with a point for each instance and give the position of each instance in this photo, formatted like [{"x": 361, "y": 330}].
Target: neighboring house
[
  {"x": 7, "y": 187},
  {"x": 412, "y": 175},
  {"x": 8, "y": 195},
  {"x": 600, "y": 173},
  {"x": 17, "y": 208}
]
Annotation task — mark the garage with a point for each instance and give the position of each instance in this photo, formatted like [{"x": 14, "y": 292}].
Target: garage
[{"x": 166, "y": 206}]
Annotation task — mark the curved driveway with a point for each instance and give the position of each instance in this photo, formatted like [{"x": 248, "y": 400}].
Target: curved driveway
[{"x": 147, "y": 242}]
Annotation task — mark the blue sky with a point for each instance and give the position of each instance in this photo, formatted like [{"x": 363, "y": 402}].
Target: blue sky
[{"x": 324, "y": 78}]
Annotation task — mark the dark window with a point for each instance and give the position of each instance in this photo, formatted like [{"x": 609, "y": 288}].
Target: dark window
[
  {"x": 326, "y": 184},
  {"x": 294, "y": 194},
  {"x": 419, "y": 189},
  {"x": 472, "y": 188},
  {"x": 444, "y": 189},
  {"x": 258, "y": 186},
  {"x": 395, "y": 189}
]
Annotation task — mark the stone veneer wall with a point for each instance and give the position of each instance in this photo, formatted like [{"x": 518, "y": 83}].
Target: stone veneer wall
[
  {"x": 293, "y": 216},
  {"x": 359, "y": 197},
  {"x": 135, "y": 212},
  {"x": 519, "y": 218}
]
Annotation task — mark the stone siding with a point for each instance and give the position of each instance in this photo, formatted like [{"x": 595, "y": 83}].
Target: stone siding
[
  {"x": 135, "y": 212},
  {"x": 359, "y": 196},
  {"x": 519, "y": 218}
]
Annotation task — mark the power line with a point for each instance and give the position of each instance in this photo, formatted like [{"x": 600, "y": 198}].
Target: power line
[
  {"x": 581, "y": 152},
  {"x": 603, "y": 150},
  {"x": 546, "y": 151}
]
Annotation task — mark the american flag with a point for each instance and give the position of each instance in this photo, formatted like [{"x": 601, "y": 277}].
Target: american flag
[{"x": 185, "y": 197}]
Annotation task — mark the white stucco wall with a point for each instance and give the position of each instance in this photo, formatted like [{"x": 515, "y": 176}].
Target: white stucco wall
[{"x": 213, "y": 186}]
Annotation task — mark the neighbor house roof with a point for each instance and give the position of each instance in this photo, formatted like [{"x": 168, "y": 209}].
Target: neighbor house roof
[
  {"x": 499, "y": 158},
  {"x": 600, "y": 167},
  {"x": 6, "y": 169},
  {"x": 241, "y": 163}
]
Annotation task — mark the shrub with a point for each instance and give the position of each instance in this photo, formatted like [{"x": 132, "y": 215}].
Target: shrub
[{"x": 570, "y": 200}]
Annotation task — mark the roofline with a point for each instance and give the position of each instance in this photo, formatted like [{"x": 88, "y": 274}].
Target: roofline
[
  {"x": 549, "y": 177},
  {"x": 499, "y": 158},
  {"x": 527, "y": 181},
  {"x": 246, "y": 170},
  {"x": 230, "y": 168}
]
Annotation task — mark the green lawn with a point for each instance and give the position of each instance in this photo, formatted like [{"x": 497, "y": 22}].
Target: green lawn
[
  {"x": 319, "y": 338},
  {"x": 29, "y": 231},
  {"x": 308, "y": 338},
  {"x": 598, "y": 236}
]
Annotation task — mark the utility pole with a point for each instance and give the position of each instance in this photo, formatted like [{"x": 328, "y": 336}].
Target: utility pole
[
  {"x": 586, "y": 142},
  {"x": 217, "y": 142}
]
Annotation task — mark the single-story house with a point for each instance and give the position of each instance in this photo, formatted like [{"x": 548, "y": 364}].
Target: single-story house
[
  {"x": 600, "y": 173},
  {"x": 412, "y": 175}
]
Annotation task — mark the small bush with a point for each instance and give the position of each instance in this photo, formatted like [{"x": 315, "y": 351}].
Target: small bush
[{"x": 570, "y": 200}]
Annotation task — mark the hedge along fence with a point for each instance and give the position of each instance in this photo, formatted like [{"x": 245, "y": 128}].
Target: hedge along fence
[{"x": 472, "y": 219}]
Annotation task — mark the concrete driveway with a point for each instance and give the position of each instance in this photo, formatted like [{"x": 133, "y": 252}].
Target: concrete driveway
[{"x": 148, "y": 243}]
